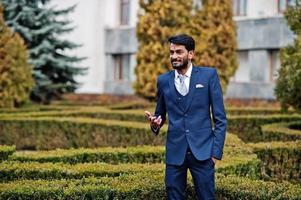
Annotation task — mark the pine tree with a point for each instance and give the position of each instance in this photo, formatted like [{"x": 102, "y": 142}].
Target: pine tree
[
  {"x": 158, "y": 20},
  {"x": 214, "y": 30},
  {"x": 41, "y": 27},
  {"x": 15, "y": 72},
  {"x": 288, "y": 87}
]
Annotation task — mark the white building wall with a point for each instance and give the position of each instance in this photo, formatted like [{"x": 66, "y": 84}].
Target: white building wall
[
  {"x": 91, "y": 18},
  {"x": 111, "y": 14},
  {"x": 262, "y": 8},
  {"x": 134, "y": 12},
  {"x": 96, "y": 20}
]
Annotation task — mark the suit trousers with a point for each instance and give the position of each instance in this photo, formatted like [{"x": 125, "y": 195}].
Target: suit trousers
[{"x": 202, "y": 174}]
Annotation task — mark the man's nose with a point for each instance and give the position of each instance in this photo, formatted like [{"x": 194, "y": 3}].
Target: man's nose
[{"x": 174, "y": 56}]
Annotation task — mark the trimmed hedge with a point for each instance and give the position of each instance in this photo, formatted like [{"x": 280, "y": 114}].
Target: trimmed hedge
[
  {"x": 90, "y": 112},
  {"x": 142, "y": 186},
  {"x": 235, "y": 152},
  {"x": 248, "y": 127},
  {"x": 6, "y": 151},
  {"x": 279, "y": 160},
  {"x": 51, "y": 133},
  {"x": 255, "y": 111},
  {"x": 281, "y": 131},
  {"x": 139, "y": 154},
  {"x": 10, "y": 171},
  {"x": 136, "y": 115},
  {"x": 132, "y": 106},
  {"x": 33, "y": 108}
]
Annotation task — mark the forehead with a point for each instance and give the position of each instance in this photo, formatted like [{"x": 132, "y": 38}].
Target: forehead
[{"x": 176, "y": 47}]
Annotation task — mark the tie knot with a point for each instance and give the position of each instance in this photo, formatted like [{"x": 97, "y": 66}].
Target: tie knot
[{"x": 181, "y": 77}]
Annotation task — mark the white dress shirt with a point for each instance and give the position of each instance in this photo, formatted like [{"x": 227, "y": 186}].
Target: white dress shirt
[{"x": 186, "y": 80}]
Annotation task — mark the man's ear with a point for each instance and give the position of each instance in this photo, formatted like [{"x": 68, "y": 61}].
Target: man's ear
[{"x": 190, "y": 54}]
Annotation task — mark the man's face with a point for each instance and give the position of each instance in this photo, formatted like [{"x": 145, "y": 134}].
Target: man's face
[{"x": 179, "y": 56}]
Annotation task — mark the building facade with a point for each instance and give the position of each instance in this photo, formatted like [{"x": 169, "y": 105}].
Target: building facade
[{"x": 106, "y": 29}]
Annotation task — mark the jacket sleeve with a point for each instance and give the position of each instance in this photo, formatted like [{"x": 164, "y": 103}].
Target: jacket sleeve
[
  {"x": 218, "y": 114},
  {"x": 160, "y": 108}
]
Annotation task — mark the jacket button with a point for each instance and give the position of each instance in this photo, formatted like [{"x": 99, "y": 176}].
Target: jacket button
[
  {"x": 187, "y": 131},
  {"x": 185, "y": 115}
]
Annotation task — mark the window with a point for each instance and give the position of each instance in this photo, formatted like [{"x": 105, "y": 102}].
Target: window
[
  {"x": 274, "y": 64},
  {"x": 242, "y": 74},
  {"x": 124, "y": 12},
  {"x": 121, "y": 67},
  {"x": 283, "y": 4},
  {"x": 240, "y": 7}
]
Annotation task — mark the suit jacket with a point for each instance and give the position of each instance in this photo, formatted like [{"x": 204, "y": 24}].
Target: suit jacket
[{"x": 192, "y": 125}]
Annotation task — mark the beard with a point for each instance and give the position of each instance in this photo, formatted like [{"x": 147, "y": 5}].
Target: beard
[{"x": 180, "y": 64}]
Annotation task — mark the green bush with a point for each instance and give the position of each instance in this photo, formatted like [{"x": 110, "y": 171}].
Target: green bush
[
  {"x": 6, "y": 151},
  {"x": 40, "y": 132},
  {"x": 279, "y": 160},
  {"x": 248, "y": 127},
  {"x": 142, "y": 186},
  {"x": 281, "y": 131},
  {"x": 288, "y": 90},
  {"x": 15, "y": 78},
  {"x": 50, "y": 133},
  {"x": 10, "y": 171},
  {"x": 139, "y": 154}
]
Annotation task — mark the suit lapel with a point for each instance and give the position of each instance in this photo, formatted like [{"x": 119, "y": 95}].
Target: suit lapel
[{"x": 193, "y": 81}]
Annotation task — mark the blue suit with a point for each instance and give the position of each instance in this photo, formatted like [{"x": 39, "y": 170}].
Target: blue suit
[{"x": 192, "y": 139}]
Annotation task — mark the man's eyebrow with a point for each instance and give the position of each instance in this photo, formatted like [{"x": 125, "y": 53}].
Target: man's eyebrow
[{"x": 176, "y": 50}]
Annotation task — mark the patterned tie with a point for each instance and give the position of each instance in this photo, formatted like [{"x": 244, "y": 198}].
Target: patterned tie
[{"x": 182, "y": 87}]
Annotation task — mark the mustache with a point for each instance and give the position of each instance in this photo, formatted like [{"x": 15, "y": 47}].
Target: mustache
[{"x": 177, "y": 60}]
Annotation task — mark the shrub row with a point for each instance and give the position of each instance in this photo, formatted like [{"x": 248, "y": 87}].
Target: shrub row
[
  {"x": 282, "y": 131},
  {"x": 34, "y": 108},
  {"x": 139, "y": 154},
  {"x": 51, "y": 133},
  {"x": 248, "y": 127},
  {"x": 141, "y": 186},
  {"x": 279, "y": 160},
  {"x": 235, "y": 152},
  {"x": 14, "y": 170},
  {"x": 6, "y": 151},
  {"x": 132, "y": 106},
  {"x": 123, "y": 115},
  {"x": 90, "y": 111},
  {"x": 10, "y": 171}
]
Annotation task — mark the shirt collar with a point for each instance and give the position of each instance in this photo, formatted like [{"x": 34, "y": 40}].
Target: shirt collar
[{"x": 188, "y": 73}]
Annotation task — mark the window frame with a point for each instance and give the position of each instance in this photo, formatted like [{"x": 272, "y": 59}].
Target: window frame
[
  {"x": 237, "y": 9},
  {"x": 124, "y": 12},
  {"x": 287, "y": 4},
  {"x": 119, "y": 67}
]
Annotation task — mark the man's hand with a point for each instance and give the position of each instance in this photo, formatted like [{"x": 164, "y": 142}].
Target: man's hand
[
  {"x": 214, "y": 160},
  {"x": 154, "y": 121}
]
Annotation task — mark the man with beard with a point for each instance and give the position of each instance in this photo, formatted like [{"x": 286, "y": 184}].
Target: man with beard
[{"x": 189, "y": 95}]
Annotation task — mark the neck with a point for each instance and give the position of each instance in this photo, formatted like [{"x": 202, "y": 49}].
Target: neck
[{"x": 184, "y": 70}]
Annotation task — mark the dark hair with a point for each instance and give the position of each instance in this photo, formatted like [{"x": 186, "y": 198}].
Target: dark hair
[{"x": 183, "y": 39}]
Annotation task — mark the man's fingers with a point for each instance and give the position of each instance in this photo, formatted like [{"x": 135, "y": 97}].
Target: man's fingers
[
  {"x": 148, "y": 115},
  {"x": 158, "y": 120},
  {"x": 153, "y": 120}
]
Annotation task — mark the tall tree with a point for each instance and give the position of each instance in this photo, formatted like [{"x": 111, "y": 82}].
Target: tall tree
[
  {"x": 288, "y": 87},
  {"x": 15, "y": 72},
  {"x": 214, "y": 30},
  {"x": 158, "y": 20},
  {"x": 41, "y": 27}
]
